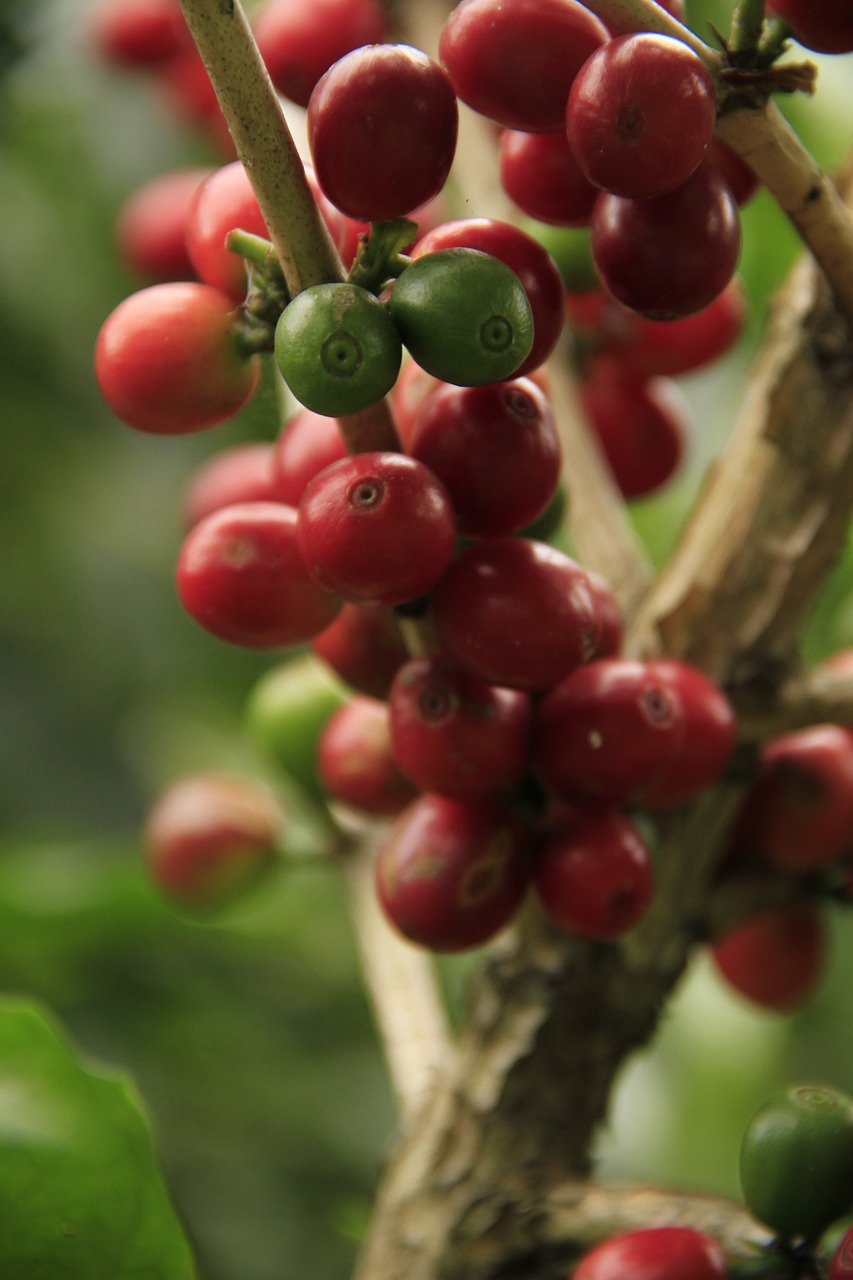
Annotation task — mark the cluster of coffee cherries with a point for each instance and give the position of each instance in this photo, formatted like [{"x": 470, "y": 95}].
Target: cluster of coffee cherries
[{"x": 796, "y": 1177}]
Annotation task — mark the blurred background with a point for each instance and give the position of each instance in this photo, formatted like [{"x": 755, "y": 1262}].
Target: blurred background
[{"x": 249, "y": 1036}]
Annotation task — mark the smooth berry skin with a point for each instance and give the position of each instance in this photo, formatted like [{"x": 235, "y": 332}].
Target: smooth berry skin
[
  {"x": 798, "y": 815},
  {"x": 306, "y": 445},
  {"x": 454, "y": 734},
  {"x": 382, "y": 126},
  {"x": 209, "y": 837},
  {"x": 515, "y": 62},
  {"x": 609, "y": 731},
  {"x": 824, "y": 28},
  {"x": 241, "y": 576},
  {"x": 241, "y": 473},
  {"x": 137, "y": 33},
  {"x": 223, "y": 202},
  {"x": 741, "y": 179},
  {"x": 533, "y": 265},
  {"x": 452, "y": 873},
  {"x": 150, "y": 229},
  {"x": 641, "y": 425},
  {"x": 777, "y": 959},
  {"x": 622, "y": 112},
  {"x": 710, "y": 734},
  {"x": 610, "y": 628},
  {"x": 363, "y": 645},
  {"x": 595, "y": 878},
  {"x": 299, "y": 42},
  {"x": 377, "y": 528},
  {"x": 658, "y": 1253},
  {"x": 355, "y": 762},
  {"x": 168, "y": 363},
  {"x": 515, "y": 612},
  {"x": 841, "y": 1266},
  {"x": 511, "y": 424},
  {"x": 670, "y": 255},
  {"x": 540, "y": 174}
]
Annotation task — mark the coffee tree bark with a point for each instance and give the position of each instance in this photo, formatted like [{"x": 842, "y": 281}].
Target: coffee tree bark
[{"x": 490, "y": 1175}]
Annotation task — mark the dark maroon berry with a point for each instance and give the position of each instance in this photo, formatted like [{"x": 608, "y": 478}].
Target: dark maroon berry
[
  {"x": 355, "y": 761},
  {"x": 541, "y": 175},
  {"x": 299, "y": 41},
  {"x": 826, "y": 27},
  {"x": 710, "y": 734},
  {"x": 775, "y": 959},
  {"x": 364, "y": 647}
]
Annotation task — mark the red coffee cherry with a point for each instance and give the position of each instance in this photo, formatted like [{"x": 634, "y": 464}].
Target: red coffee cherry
[
  {"x": 623, "y": 108},
  {"x": 841, "y": 1266},
  {"x": 355, "y": 761},
  {"x": 167, "y": 360},
  {"x": 363, "y": 645},
  {"x": 452, "y": 873},
  {"x": 610, "y": 731},
  {"x": 306, "y": 445},
  {"x": 299, "y": 42},
  {"x": 594, "y": 875},
  {"x": 137, "y": 33},
  {"x": 377, "y": 528},
  {"x": 610, "y": 631},
  {"x": 533, "y": 265},
  {"x": 210, "y": 836},
  {"x": 515, "y": 62},
  {"x": 223, "y": 203},
  {"x": 826, "y": 27},
  {"x": 775, "y": 959},
  {"x": 516, "y": 612},
  {"x": 510, "y": 424},
  {"x": 541, "y": 175},
  {"x": 742, "y": 181},
  {"x": 454, "y": 734},
  {"x": 382, "y": 128},
  {"x": 240, "y": 575},
  {"x": 669, "y": 255},
  {"x": 150, "y": 229},
  {"x": 658, "y": 1253},
  {"x": 710, "y": 734},
  {"x": 242, "y": 473}
]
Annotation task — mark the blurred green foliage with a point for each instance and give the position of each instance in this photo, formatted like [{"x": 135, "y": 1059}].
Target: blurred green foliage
[{"x": 249, "y": 1037}]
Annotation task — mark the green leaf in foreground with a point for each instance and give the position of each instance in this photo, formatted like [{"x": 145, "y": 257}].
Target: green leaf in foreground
[{"x": 81, "y": 1196}]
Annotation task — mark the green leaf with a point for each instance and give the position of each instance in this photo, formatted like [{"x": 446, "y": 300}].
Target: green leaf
[{"x": 81, "y": 1197}]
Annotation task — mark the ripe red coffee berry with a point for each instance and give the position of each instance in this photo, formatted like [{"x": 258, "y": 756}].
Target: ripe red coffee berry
[
  {"x": 515, "y": 61},
  {"x": 841, "y": 1266},
  {"x": 382, "y": 128},
  {"x": 306, "y": 445},
  {"x": 240, "y": 575},
  {"x": 775, "y": 959},
  {"x": 137, "y": 33},
  {"x": 658, "y": 1253},
  {"x": 150, "y": 229},
  {"x": 826, "y": 27},
  {"x": 452, "y": 873},
  {"x": 242, "y": 473},
  {"x": 594, "y": 875},
  {"x": 455, "y": 734},
  {"x": 224, "y": 202},
  {"x": 355, "y": 761},
  {"x": 540, "y": 174},
  {"x": 363, "y": 645},
  {"x": 210, "y": 836},
  {"x": 622, "y": 112},
  {"x": 299, "y": 42},
  {"x": 168, "y": 360},
  {"x": 377, "y": 528},
  {"x": 710, "y": 734},
  {"x": 516, "y": 612}
]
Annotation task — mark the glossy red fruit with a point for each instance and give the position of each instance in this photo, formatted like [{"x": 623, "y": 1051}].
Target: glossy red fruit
[
  {"x": 240, "y": 575},
  {"x": 454, "y": 734},
  {"x": 609, "y": 731},
  {"x": 452, "y": 873},
  {"x": 710, "y": 734},
  {"x": 658, "y": 1253},
  {"x": 515, "y": 61},
  {"x": 826, "y": 27},
  {"x": 167, "y": 360},
  {"x": 511, "y": 424},
  {"x": 610, "y": 629},
  {"x": 210, "y": 836},
  {"x": 540, "y": 174},
  {"x": 377, "y": 528},
  {"x": 621, "y": 114},
  {"x": 670, "y": 255},
  {"x": 363, "y": 645},
  {"x": 150, "y": 229},
  {"x": 355, "y": 761},
  {"x": 776, "y": 959},
  {"x": 798, "y": 814},
  {"x": 299, "y": 42},
  {"x": 223, "y": 203},
  {"x": 241, "y": 473},
  {"x": 533, "y": 265},
  {"x": 516, "y": 612},
  {"x": 594, "y": 875},
  {"x": 137, "y": 33},
  {"x": 741, "y": 179},
  {"x": 382, "y": 128},
  {"x": 841, "y": 1266},
  {"x": 640, "y": 423},
  {"x": 306, "y": 445}
]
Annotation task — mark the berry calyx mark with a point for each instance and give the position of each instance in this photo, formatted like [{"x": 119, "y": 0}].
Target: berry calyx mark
[
  {"x": 630, "y": 124},
  {"x": 366, "y": 494},
  {"x": 496, "y": 334},
  {"x": 341, "y": 354}
]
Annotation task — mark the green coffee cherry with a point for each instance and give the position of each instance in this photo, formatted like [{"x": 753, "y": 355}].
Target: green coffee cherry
[
  {"x": 337, "y": 349},
  {"x": 796, "y": 1161},
  {"x": 287, "y": 710},
  {"x": 464, "y": 316}
]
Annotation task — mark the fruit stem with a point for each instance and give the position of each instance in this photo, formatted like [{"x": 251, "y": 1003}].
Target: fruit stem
[
  {"x": 747, "y": 24},
  {"x": 773, "y": 42},
  {"x": 625, "y": 16}
]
